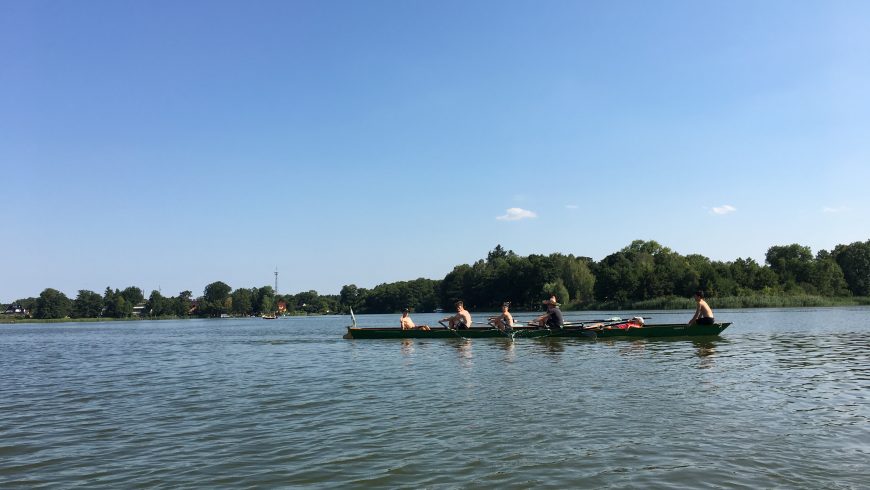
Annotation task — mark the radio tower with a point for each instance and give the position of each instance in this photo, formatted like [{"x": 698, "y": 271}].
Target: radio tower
[{"x": 276, "y": 280}]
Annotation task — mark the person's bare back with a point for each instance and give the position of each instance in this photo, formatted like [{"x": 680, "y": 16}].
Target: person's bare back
[{"x": 703, "y": 313}]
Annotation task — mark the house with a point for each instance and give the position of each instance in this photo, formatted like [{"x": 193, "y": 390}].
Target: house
[{"x": 15, "y": 309}]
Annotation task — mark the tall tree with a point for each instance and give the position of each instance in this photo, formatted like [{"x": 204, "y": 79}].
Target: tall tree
[
  {"x": 214, "y": 300},
  {"x": 854, "y": 260},
  {"x": 182, "y": 304},
  {"x": 87, "y": 304},
  {"x": 792, "y": 263},
  {"x": 52, "y": 304},
  {"x": 133, "y": 295},
  {"x": 157, "y": 305},
  {"x": 242, "y": 302}
]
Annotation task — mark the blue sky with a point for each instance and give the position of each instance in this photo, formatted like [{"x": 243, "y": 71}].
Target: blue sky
[{"x": 169, "y": 144}]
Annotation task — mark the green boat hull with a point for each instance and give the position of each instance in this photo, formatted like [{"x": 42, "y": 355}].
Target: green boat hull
[
  {"x": 647, "y": 331},
  {"x": 665, "y": 330},
  {"x": 440, "y": 333}
]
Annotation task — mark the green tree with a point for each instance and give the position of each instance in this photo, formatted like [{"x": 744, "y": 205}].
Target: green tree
[
  {"x": 854, "y": 261},
  {"x": 121, "y": 307},
  {"x": 87, "y": 304},
  {"x": 52, "y": 304},
  {"x": 826, "y": 276},
  {"x": 115, "y": 304},
  {"x": 217, "y": 292},
  {"x": 352, "y": 296},
  {"x": 182, "y": 304},
  {"x": 263, "y": 300},
  {"x": 133, "y": 295},
  {"x": 158, "y": 305},
  {"x": 214, "y": 300},
  {"x": 242, "y": 304},
  {"x": 791, "y": 263}
]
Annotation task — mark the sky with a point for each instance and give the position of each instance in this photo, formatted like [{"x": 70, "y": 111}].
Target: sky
[{"x": 167, "y": 145}]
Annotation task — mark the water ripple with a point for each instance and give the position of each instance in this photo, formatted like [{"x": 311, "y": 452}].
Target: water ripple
[{"x": 780, "y": 400}]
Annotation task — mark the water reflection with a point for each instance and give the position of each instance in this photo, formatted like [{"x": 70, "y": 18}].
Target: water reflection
[
  {"x": 463, "y": 348},
  {"x": 554, "y": 347},
  {"x": 706, "y": 351},
  {"x": 510, "y": 350},
  {"x": 634, "y": 347},
  {"x": 407, "y": 347}
]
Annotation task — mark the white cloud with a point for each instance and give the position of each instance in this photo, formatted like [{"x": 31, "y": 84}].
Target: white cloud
[
  {"x": 724, "y": 209},
  {"x": 571, "y": 206},
  {"x": 515, "y": 214},
  {"x": 840, "y": 209}
]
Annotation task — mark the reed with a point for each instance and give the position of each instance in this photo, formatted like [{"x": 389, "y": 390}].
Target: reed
[{"x": 748, "y": 301}]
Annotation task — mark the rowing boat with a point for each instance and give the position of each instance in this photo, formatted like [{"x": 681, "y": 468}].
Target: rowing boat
[{"x": 662, "y": 330}]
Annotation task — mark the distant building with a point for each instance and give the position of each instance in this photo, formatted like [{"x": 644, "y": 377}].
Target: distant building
[{"x": 15, "y": 310}]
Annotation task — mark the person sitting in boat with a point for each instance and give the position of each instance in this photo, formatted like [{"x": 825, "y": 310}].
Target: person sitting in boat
[
  {"x": 408, "y": 324},
  {"x": 634, "y": 322},
  {"x": 505, "y": 320},
  {"x": 461, "y": 320},
  {"x": 703, "y": 314},
  {"x": 553, "y": 317}
]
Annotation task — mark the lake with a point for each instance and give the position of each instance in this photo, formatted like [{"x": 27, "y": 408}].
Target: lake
[{"x": 780, "y": 399}]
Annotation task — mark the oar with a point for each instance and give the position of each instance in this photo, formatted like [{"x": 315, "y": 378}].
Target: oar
[
  {"x": 451, "y": 329},
  {"x": 507, "y": 331}
]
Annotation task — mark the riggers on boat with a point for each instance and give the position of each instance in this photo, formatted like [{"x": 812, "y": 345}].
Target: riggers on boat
[{"x": 663, "y": 330}]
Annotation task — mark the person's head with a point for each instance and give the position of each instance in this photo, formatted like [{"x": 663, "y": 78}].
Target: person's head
[
  {"x": 405, "y": 312},
  {"x": 551, "y": 302},
  {"x": 460, "y": 305},
  {"x": 505, "y": 306},
  {"x": 699, "y": 295},
  {"x": 638, "y": 320}
]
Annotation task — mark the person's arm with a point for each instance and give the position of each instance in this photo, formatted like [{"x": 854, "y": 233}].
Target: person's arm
[{"x": 696, "y": 315}]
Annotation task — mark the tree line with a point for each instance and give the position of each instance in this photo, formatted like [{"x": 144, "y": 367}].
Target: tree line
[{"x": 641, "y": 272}]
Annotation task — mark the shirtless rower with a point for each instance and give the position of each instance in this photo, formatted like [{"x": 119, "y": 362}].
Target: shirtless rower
[
  {"x": 408, "y": 324},
  {"x": 461, "y": 320},
  {"x": 505, "y": 320},
  {"x": 703, "y": 314}
]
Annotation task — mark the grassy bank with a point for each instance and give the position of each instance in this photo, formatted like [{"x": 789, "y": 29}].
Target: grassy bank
[
  {"x": 21, "y": 319},
  {"x": 759, "y": 301},
  {"x": 62, "y": 320}
]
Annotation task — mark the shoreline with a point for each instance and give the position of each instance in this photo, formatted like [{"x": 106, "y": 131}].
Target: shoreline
[{"x": 659, "y": 304}]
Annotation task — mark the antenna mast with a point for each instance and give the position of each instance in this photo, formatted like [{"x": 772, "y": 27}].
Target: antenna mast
[{"x": 276, "y": 280}]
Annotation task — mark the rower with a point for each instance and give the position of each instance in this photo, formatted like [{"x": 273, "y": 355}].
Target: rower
[
  {"x": 505, "y": 320},
  {"x": 461, "y": 320},
  {"x": 553, "y": 317},
  {"x": 703, "y": 314},
  {"x": 408, "y": 324}
]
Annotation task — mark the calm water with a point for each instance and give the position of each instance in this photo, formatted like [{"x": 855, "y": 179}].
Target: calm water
[{"x": 779, "y": 400}]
